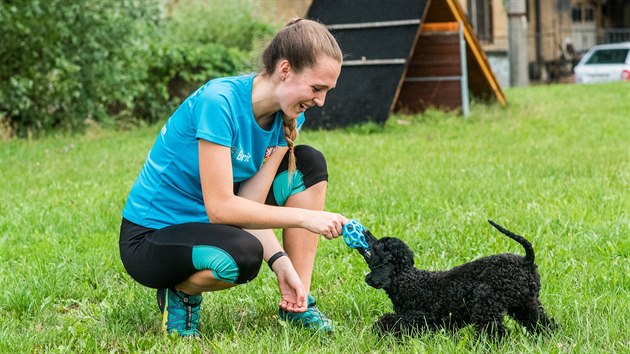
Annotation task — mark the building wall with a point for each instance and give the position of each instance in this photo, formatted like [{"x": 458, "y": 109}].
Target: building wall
[
  {"x": 557, "y": 29},
  {"x": 549, "y": 46},
  {"x": 496, "y": 50},
  {"x": 550, "y": 24},
  {"x": 284, "y": 10},
  {"x": 499, "y": 26}
]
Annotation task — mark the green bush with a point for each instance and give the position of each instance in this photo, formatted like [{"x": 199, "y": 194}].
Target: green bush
[
  {"x": 63, "y": 64},
  {"x": 175, "y": 70},
  {"x": 199, "y": 41},
  {"x": 234, "y": 24}
]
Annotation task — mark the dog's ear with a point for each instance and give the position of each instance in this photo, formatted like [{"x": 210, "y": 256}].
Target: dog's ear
[
  {"x": 380, "y": 277},
  {"x": 400, "y": 252}
]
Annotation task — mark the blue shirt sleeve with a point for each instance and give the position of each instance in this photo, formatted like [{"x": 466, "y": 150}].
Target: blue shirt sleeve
[{"x": 212, "y": 118}]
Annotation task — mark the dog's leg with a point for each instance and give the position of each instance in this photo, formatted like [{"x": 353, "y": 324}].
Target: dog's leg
[
  {"x": 494, "y": 329},
  {"x": 388, "y": 323},
  {"x": 487, "y": 313},
  {"x": 408, "y": 323},
  {"x": 544, "y": 321},
  {"x": 533, "y": 317},
  {"x": 489, "y": 322}
]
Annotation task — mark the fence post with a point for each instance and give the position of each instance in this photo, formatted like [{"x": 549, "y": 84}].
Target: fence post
[{"x": 464, "y": 79}]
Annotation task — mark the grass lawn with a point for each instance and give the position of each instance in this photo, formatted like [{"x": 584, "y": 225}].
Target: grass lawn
[{"x": 553, "y": 166}]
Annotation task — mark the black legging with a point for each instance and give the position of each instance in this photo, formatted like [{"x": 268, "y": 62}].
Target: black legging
[{"x": 166, "y": 257}]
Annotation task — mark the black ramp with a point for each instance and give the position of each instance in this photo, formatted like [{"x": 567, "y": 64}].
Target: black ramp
[
  {"x": 362, "y": 94},
  {"x": 376, "y": 43},
  {"x": 376, "y": 37}
]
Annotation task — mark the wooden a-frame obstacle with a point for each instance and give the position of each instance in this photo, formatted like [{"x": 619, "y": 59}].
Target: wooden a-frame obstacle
[{"x": 401, "y": 56}]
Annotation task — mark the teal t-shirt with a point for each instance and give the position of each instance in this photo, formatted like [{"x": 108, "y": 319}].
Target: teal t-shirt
[{"x": 168, "y": 189}]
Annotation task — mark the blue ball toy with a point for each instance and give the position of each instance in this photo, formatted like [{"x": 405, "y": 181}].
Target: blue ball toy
[{"x": 353, "y": 235}]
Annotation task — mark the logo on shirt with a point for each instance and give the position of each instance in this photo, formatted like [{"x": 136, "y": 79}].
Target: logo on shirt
[
  {"x": 240, "y": 155},
  {"x": 269, "y": 151}
]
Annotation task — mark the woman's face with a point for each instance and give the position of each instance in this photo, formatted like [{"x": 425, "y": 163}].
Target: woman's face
[{"x": 299, "y": 91}]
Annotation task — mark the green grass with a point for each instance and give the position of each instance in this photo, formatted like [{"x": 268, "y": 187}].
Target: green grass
[{"x": 554, "y": 166}]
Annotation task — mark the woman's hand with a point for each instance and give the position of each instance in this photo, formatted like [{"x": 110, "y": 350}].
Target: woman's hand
[
  {"x": 291, "y": 288},
  {"x": 328, "y": 224}
]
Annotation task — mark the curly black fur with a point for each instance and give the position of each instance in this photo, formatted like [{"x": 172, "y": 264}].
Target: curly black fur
[{"x": 480, "y": 292}]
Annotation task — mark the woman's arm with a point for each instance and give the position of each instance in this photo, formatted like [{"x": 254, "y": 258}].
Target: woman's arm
[
  {"x": 223, "y": 207},
  {"x": 257, "y": 187},
  {"x": 291, "y": 288}
]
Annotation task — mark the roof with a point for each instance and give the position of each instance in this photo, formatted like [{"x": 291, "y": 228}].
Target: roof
[{"x": 612, "y": 45}]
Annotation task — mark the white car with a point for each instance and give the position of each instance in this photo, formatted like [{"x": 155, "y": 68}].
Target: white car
[{"x": 604, "y": 62}]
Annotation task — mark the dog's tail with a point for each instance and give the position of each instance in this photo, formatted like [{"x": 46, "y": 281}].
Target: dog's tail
[{"x": 529, "y": 250}]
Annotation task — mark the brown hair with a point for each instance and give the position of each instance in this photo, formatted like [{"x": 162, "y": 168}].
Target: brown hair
[{"x": 300, "y": 42}]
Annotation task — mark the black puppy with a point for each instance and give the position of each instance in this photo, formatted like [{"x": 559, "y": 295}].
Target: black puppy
[{"x": 479, "y": 293}]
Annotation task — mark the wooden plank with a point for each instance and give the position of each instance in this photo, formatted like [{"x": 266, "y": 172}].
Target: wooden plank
[
  {"x": 454, "y": 69},
  {"x": 437, "y": 55},
  {"x": 439, "y": 27},
  {"x": 418, "y": 96},
  {"x": 436, "y": 51}
]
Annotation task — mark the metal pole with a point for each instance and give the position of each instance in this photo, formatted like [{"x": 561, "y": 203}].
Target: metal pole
[
  {"x": 538, "y": 30},
  {"x": 464, "y": 80}
]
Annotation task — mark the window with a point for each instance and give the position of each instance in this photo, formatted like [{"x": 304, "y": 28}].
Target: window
[
  {"x": 608, "y": 56},
  {"x": 480, "y": 15},
  {"x": 582, "y": 13},
  {"x": 588, "y": 13},
  {"x": 576, "y": 14}
]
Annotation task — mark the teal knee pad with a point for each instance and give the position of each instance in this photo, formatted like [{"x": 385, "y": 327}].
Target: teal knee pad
[
  {"x": 283, "y": 188},
  {"x": 218, "y": 261}
]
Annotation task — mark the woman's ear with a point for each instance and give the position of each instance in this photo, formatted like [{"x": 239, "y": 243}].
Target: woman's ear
[
  {"x": 379, "y": 278},
  {"x": 283, "y": 69}
]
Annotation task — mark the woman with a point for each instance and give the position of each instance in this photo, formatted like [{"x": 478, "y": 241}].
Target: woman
[{"x": 223, "y": 172}]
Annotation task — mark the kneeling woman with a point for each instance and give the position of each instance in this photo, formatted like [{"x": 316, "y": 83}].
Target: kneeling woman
[{"x": 223, "y": 172}]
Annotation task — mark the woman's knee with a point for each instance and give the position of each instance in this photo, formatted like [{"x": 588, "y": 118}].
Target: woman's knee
[
  {"x": 250, "y": 260},
  {"x": 311, "y": 163},
  {"x": 311, "y": 169},
  {"x": 236, "y": 259}
]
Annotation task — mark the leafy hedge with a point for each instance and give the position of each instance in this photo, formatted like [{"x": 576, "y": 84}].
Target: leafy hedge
[
  {"x": 63, "y": 64},
  {"x": 200, "y": 41}
]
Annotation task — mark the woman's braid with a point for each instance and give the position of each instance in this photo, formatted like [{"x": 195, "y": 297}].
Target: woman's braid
[{"x": 290, "y": 135}]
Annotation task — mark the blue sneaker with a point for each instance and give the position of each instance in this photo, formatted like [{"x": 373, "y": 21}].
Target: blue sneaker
[
  {"x": 312, "y": 319},
  {"x": 180, "y": 312}
]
